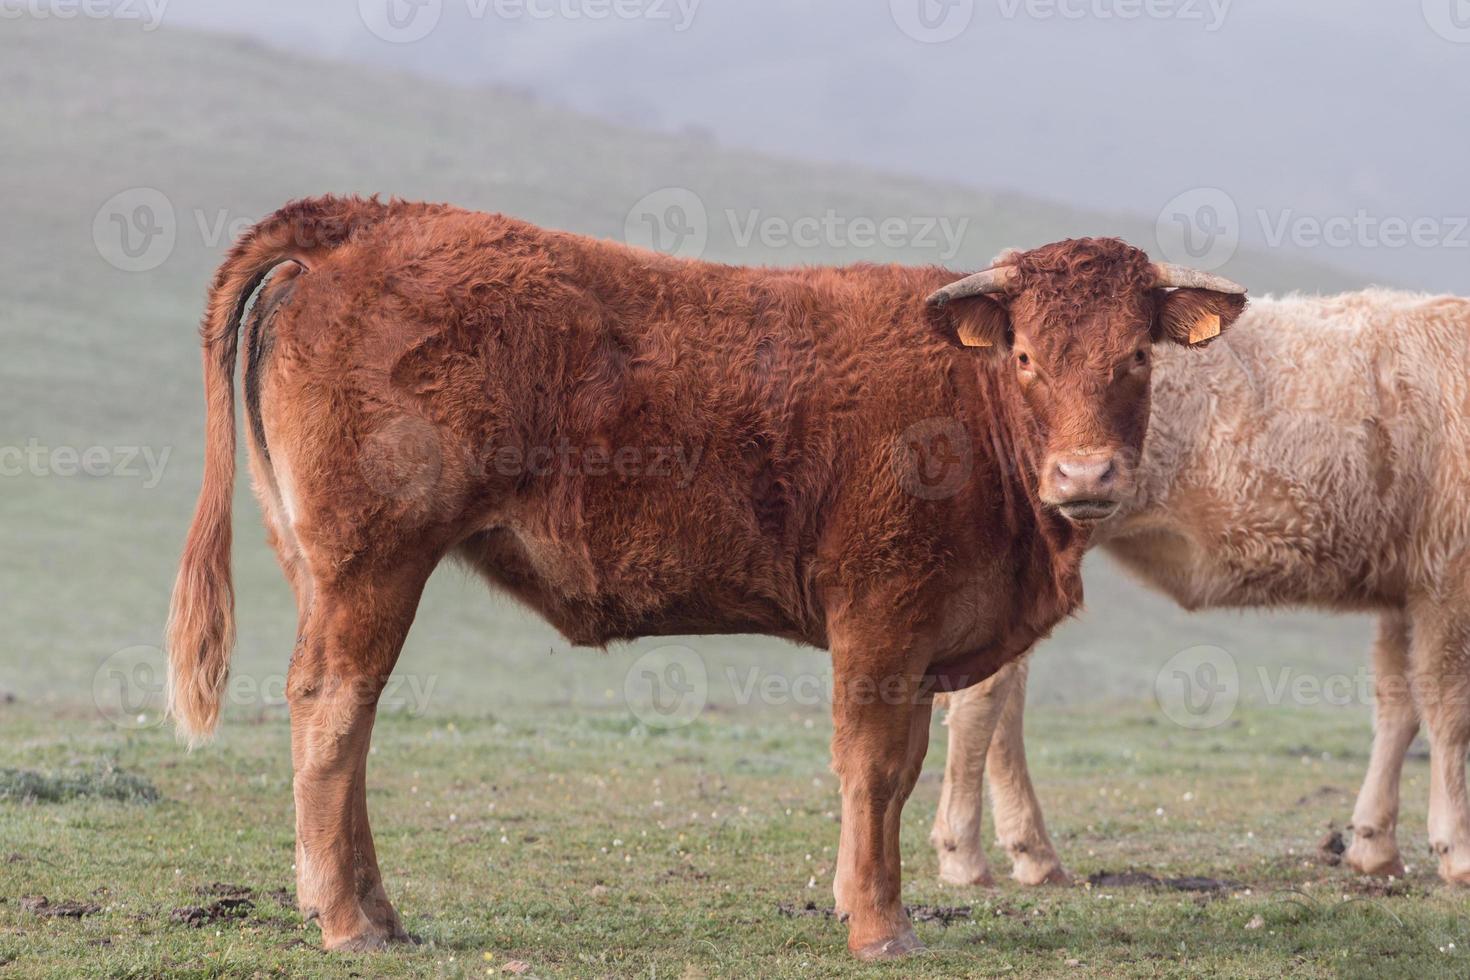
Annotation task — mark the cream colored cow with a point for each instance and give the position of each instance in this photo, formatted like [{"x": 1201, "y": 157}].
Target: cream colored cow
[{"x": 1316, "y": 455}]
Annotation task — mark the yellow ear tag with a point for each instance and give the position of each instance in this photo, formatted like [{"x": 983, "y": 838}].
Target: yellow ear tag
[
  {"x": 970, "y": 338},
  {"x": 1207, "y": 328}
]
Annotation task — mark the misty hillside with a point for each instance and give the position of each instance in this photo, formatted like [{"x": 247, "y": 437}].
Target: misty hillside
[
  {"x": 1311, "y": 110},
  {"x": 185, "y": 123}
]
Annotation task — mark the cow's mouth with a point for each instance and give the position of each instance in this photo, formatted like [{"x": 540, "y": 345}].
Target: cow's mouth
[{"x": 1088, "y": 511}]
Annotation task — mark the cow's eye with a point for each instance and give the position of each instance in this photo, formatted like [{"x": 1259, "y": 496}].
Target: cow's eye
[
  {"x": 1140, "y": 358},
  {"x": 1023, "y": 359}
]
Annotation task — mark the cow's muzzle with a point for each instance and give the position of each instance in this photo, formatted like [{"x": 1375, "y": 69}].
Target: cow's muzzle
[{"x": 1085, "y": 487}]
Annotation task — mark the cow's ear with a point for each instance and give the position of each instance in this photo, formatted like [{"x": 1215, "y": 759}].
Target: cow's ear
[
  {"x": 1194, "y": 317},
  {"x": 975, "y": 321}
]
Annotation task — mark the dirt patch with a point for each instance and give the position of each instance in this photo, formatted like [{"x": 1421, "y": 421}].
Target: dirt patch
[
  {"x": 44, "y": 907},
  {"x": 198, "y": 916},
  {"x": 1380, "y": 887},
  {"x": 1331, "y": 847},
  {"x": 283, "y": 897},
  {"x": 223, "y": 889},
  {"x": 942, "y": 914},
  {"x": 808, "y": 911},
  {"x": 1141, "y": 879}
]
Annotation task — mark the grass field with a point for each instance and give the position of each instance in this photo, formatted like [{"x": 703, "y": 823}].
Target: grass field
[
  {"x": 586, "y": 845},
  {"x": 523, "y": 811}
]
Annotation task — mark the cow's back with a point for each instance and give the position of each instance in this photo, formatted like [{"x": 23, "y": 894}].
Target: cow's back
[{"x": 1312, "y": 456}]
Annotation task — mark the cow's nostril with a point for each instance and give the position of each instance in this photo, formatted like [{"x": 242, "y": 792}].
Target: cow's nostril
[{"x": 1084, "y": 474}]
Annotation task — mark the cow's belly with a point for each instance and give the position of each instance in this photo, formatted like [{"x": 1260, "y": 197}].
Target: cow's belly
[
  {"x": 1240, "y": 569},
  {"x": 592, "y": 603}
]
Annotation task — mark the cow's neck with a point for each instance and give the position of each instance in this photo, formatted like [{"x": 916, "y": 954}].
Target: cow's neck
[{"x": 1053, "y": 569}]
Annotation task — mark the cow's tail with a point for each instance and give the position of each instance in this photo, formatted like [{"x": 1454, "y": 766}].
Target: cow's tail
[{"x": 201, "y": 621}]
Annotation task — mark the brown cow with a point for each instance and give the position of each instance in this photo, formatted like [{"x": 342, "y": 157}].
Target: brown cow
[{"x": 406, "y": 370}]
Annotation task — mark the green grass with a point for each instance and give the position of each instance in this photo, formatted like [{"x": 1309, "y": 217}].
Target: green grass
[{"x": 584, "y": 845}]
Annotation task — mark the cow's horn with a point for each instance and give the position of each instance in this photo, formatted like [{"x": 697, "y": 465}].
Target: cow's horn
[
  {"x": 996, "y": 280},
  {"x": 1169, "y": 276}
]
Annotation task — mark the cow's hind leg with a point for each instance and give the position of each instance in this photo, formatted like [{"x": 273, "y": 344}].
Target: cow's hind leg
[
  {"x": 958, "y": 833},
  {"x": 1019, "y": 824},
  {"x": 1375, "y": 849},
  {"x": 1440, "y": 661},
  {"x": 354, "y": 631}
]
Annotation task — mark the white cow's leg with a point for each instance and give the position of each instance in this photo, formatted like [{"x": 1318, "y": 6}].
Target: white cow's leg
[
  {"x": 1019, "y": 824},
  {"x": 1440, "y": 661},
  {"x": 1375, "y": 848},
  {"x": 958, "y": 826}
]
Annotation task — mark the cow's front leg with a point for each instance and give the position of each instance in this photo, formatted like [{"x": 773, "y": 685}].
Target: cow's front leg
[
  {"x": 881, "y": 734},
  {"x": 337, "y": 675}
]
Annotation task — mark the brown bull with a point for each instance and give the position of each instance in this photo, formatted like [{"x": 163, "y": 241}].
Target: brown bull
[{"x": 425, "y": 382}]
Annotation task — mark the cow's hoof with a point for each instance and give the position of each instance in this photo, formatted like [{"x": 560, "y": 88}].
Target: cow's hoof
[
  {"x": 1373, "y": 852},
  {"x": 889, "y": 949},
  {"x": 957, "y": 868},
  {"x": 1453, "y": 869},
  {"x": 1034, "y": 872},
  {"x": 1459, "y": 877},
  {"x": 1373, "y": 857},
  {"x": 371, "y": 941}
]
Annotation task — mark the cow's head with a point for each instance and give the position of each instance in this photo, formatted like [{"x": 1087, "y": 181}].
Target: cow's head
[{"x": 1076, "y": 322}]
